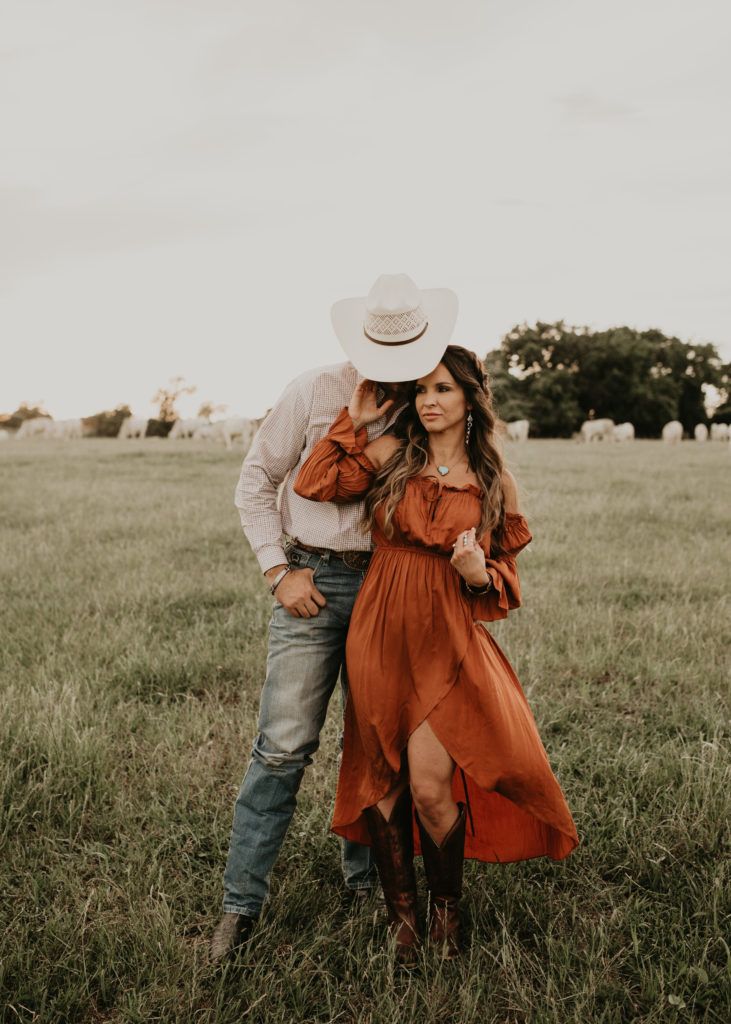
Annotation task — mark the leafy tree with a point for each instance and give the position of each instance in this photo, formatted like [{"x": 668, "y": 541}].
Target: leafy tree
[
  {"x": 165, "y": 398},
  {"x": 722, "y": 411},
  {"x": 208, "y": 409},
  {"x": 554, "y": 406},
  {"x": 509, "y": 403},
  {"x": 556, "y": 376},
  {"x": 13, "y": 420}
]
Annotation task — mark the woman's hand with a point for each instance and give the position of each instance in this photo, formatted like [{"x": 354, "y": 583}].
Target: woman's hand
[
  {"x": 469, "y": 559},
  {"x": 363, "y": 408}
]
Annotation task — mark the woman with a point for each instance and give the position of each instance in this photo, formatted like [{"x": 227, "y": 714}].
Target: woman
[{"x": 436, "y": 714}]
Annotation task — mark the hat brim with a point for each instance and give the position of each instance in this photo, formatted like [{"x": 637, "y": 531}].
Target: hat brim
[{"x": 389, "y": 362}]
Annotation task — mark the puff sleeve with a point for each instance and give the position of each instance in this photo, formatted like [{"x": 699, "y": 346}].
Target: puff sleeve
[
  {"x": 504, "y": 594},
  {"x": 337, "y": 469}
]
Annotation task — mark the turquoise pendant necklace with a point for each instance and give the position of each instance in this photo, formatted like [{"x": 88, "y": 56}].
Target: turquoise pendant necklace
[{"x": 443, "y": 470}]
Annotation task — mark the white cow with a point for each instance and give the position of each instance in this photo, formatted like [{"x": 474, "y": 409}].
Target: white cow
[
  {"x": 517, "y": 430},
  {"x": 239, "y": 427},
  {"x": 701, "y": 432},
  {"x": 228, "y": 431},
  {"x": 208, "y": 432},
  {"x": 39, "y": 426},
  {"x": 624, "y": 432},
  {"x": 672, "y": 432},
  {"x": 597, "y": 430},
  {"x": 132, "y": 426},
  {"x": 183, "y": 429},
  {"x": 66, "y": 430},
  {"x": 720, "y": 432}
]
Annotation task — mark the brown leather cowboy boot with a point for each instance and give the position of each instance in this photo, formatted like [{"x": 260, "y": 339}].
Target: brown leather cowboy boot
[
  {"x": 443, "y": 868},
  {"x": 393, "y": 851}
]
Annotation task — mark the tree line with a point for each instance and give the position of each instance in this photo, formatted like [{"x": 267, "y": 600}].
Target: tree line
[
  {"x": 556, "y": 376},
  {"x": 108, "y": 422},
  {"x": 552, "y": 375}
]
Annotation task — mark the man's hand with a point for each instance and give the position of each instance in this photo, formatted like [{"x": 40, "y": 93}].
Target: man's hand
[
  {"x": 469, "y": 559},
  {"x": 297, "y": 594},
  {"x": 363, "y": 408}
]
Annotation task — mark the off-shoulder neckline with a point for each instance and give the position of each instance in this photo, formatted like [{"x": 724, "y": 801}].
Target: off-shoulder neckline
[
  {"x": 472, "y": 488},
  {"x": 443, "y": 485}
]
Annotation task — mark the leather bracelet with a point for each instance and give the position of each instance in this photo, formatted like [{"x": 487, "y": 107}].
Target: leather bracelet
[
  {"x": 279, "y": 577},
  {"x": 480, "y": 590}
]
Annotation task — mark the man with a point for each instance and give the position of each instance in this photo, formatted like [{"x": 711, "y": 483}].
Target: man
[{"x": 315, "y": 578}]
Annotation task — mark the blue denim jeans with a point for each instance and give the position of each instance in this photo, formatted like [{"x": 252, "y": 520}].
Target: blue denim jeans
[{"x": 303, "y": 662}]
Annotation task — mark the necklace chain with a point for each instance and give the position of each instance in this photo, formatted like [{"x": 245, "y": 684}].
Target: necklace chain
[{"x": 443, "y": 470}]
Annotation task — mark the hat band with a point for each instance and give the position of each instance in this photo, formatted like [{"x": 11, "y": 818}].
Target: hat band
[
  {"x": 395, "y": 328},
  {"x": 406, "y": 341}
]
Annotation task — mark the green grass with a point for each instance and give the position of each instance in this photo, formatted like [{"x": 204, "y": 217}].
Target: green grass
[{"x": 133, "y": 642}]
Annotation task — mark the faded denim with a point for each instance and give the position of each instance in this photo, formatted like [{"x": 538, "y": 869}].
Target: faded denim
[{"x": 304, "y": 660}]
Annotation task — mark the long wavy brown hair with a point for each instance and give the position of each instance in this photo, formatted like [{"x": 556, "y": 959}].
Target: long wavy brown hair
[{"x": 411, "y": 457}]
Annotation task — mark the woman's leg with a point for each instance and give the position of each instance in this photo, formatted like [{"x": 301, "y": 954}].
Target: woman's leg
[
  {"x": 385, "y": 806},
  {"x": 442, "y": 830},
  {"x": 430, "y": 771}
]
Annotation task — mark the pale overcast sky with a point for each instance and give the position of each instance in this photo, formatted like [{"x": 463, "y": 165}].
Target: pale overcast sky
[{"x": 187, "y": 185}]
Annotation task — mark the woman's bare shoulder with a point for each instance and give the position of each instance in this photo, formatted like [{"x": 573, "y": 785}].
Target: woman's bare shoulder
[
  {"x": 510, "y": 491},
  {"x": 381, "y": 450}
]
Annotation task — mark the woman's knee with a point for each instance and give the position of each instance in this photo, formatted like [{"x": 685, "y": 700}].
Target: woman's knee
[{"x": 430, "y": 794}]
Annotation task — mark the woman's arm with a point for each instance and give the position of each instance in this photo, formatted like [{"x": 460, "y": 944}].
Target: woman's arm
[
  {"x": 498, "y": 575},
  {"x": 341, "y": 466}
]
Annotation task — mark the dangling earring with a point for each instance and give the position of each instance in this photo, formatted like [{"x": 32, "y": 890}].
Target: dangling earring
[{"x": 469, "y": 430}]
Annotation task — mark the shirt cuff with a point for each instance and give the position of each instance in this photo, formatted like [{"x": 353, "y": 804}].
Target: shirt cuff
[{"x": 271, "y": 555}]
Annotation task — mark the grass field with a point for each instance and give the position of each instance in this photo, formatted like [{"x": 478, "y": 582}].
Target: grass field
[{"x": 133, "y": 641}]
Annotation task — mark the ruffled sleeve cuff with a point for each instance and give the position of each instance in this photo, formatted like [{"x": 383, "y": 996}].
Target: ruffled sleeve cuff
[
  {"x": 343, "y": 433},
  {"x": 504, "y": 594},
  {"x": 502, "y": 597},
  {"x": 516, "y": 534}
]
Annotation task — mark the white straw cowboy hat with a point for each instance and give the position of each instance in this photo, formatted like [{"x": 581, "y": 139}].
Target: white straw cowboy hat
[{"x": 397, "y": 332}]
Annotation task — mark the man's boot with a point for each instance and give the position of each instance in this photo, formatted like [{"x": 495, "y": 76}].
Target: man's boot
[
  {"x": 232, "y": 931},
  {"x": 443, "y": 868},
  {"x": 393, "y": 851}
]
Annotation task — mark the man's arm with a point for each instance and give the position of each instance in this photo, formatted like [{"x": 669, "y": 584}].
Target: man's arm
[{"x": 275, "y": 451}]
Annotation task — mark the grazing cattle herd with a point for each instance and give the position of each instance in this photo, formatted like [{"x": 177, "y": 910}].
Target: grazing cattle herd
[
  {"x": 242, "y": 430},
  {"x": 44, "y": 426},
  {"x": 228, "y": 431}
]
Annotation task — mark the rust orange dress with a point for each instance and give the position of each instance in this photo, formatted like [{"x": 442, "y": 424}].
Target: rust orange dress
[{"x": 416, "y": 650}]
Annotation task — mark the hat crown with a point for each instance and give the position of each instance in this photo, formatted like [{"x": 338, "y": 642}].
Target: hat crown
[
  {"x": 393, "y": 294},
  {"x": 397, "y": 331}
]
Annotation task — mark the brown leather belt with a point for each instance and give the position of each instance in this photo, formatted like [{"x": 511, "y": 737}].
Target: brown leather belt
[{"x": 358, "y": 560}]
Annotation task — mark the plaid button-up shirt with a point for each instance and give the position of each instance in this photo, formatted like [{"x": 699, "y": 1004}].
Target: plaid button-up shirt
[{"x": 300, "y": 418}]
